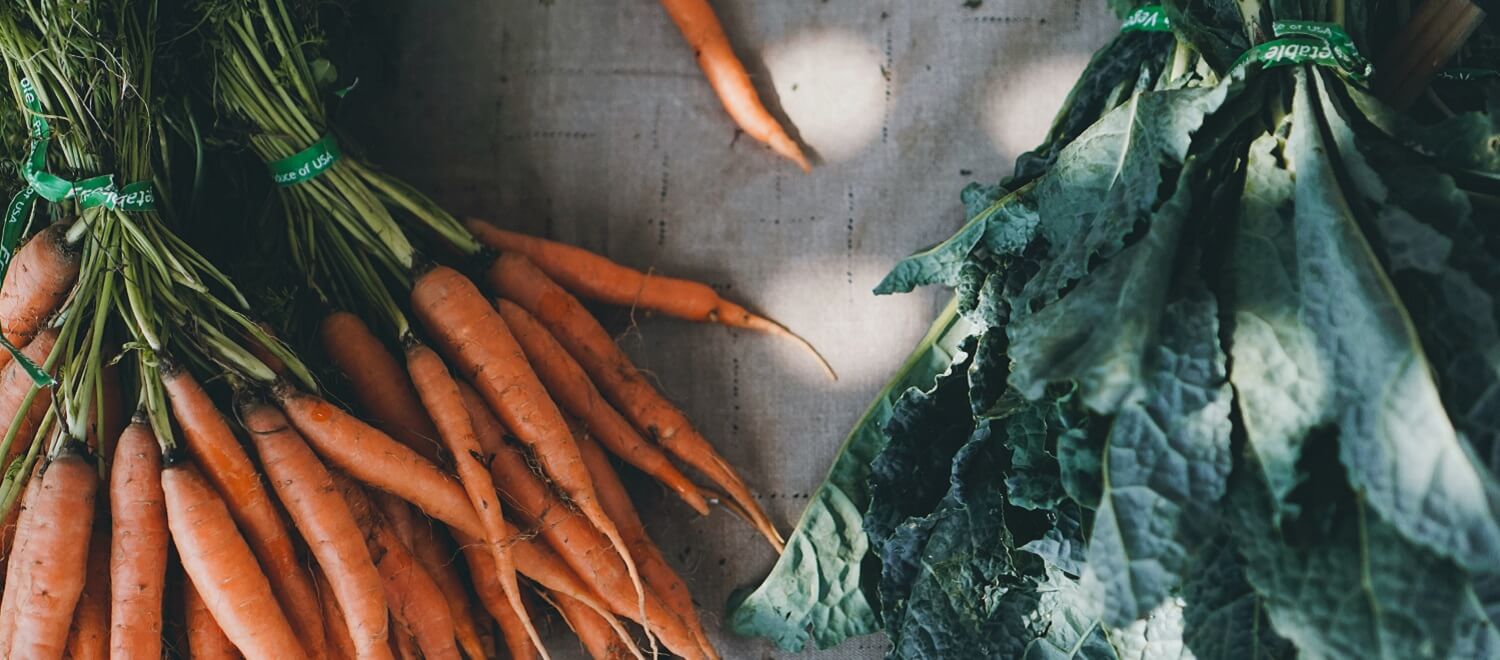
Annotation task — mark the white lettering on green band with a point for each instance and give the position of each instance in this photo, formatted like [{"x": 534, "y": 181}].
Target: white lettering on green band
[
  {"x": 1151, "y": 18},
  {"x": 307, "y": 164},
  {"x": 1340, "y": 46}
]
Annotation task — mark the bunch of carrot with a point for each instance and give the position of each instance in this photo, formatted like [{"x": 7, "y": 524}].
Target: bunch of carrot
[{"x": 240, "y": 513}]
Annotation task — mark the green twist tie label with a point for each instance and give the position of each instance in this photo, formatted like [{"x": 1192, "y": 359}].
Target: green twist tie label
[
  {"x": 91, "y": 192},
  {"x": 1462, "y": 74},
  {"x": 1287, "y": 52},
  {"x": 1151, "y": 18},
  {"x": 1345, "y": 55},
  {"x": 100, "y": 192},
  {"x": 307, "y": 164}
]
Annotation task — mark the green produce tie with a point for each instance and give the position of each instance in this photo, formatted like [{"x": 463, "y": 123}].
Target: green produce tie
[
  {"x": 1464, "y": 74},
  {"x": 1151, "y": 18},
  {"x": 1308, "y": 42},
  {"x": 307, "y": 164}
]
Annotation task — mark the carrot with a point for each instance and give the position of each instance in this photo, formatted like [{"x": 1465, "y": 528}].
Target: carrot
[
  {"x": 597, "y": 278},
  {"x": 657, "y": 572},
  {"x": 305, "y": 487},
  {"x": 432, "y": 550},
  {"x": 15, "y": 567},
  {"x": 88, "y": 638},
  {"x": 340, "y": 645},
  {"x": 52, "y": 554},
  {"x": 466, "y": 325},
  {"x": 214, "y": 553},
  {"x": 579, "y": 544},
  {"x": 513, "y": 630},
  {"x": 40, "y": 277},
  {"x": 598, "y": 638},
  {"x": 138, "y": 546},
  {"x": 398, "y": 515},
  {"x": 515, "y": 278},
  {"x": 212, "y": 444},
  {"x": 374, "y": 458},
  {"x": 380, "y": 384},
  {"x": 416, "y": 602},
  {"x": 404, "y": 644},
  {"x": 701, "y": 28},
  {"x": 445, "y": 405},
  {"x": 205, "y": 639},
  {"x": 16, "y": 385},
  {"x": 566, "y": 380}
]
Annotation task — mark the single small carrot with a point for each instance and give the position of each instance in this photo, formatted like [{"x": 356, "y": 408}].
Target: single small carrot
[
  {"x": 465, "y": 324},
  {"x": 659, "y": 575},
  {"x": 340, "y": 645},
  {"x": 568, "y": 383},
  {"x": 16, "y": 385},
  {"x": 416, "y": 602},
  {"x": 701, "y": 28},
  {"x": 513, "y": 630},
  {"x": 516, "y": 279},
  {"x": 88, "y": 638},
  {"x": 138, "y": 545},
  {"x": 306, "y": 489},
  {"x": 380, "y": 385},
  {"x": 596, "y": 277},
  {"x": 431, "y": 548},
  {"x": 54, "y": 557},
  {"x": 205, "y": 639},
  {"x": 598, "y": 638},
  {"x": 40, "y": 277},
  {"x": 376, "y": 459},
  {"x": 219, "y": 561},
  {"x": 578, "y": 543},
  {"x": 16, "y": 565},
  {"x": 212, "y": 444},
  {"x": 405, "y": 644}
]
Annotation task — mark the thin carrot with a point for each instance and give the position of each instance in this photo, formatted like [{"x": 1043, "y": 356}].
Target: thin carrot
[
  {"x": 596, "y": 277},
  {"x": 340, "y": 644},
  {"x": 659, "y": 575},
  {"x": 52, "y": 548},
  {"x": 477, "y": 339},
  {"x": 205, "y": 639},
  {"x": 214, "y": 553},
  {"x": 16, "y": 385},
  {"x": 566, "y": 380},
  {"x": 516, "y": 279},
  {"x": 40, "y": 278},
  {"x": 212, "y": 444},
  {"x": 16, "y": 566},
  {"x": 404, "y": 644},
  {"x": 513, "y": 630},
  {"x": 381, "y": 386},
  {"x": 701, "y": 28},
  {"x": 374, "y": 458},
  {"x": 598, "y": 638},
  {"x": 306, "y": 489},
  {"x": 138, "y": 547},
  {"x": 579, "y": 544},
  {"x": 431, "y": 549},
  {"x": 88, "y": 638},
  {"x": 416, "y": 602}
]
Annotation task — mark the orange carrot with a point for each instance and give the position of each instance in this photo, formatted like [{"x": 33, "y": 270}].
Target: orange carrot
[
  {"x": 212, "y": 444},
  {"x": 40, "y": 277},
  {"x": 205, "y": 639},
  {"x": 701, "y": 28},
  {"x": 139, "y": 543},
  {"x": 513, "y": 631},
  {"x": 397, "y": 514},
  {"x": 340, "y": 645},
  {"x": 305, "y": 487},
  {"x": 432, "y": 550},
  {"x": 52, "y": 552},
  {"x": 598, "y": 638},
  {"x": 470, "y": 329},
  {"x": 416, "y": 602},
  {"x": 596, "y": 277},
  {"x": 515, "y": 278},
  {"x": 374, "y": 458},
  {"x": 566, "y": 380},
  {"x": 88, "y": 638},
  {"x": 659, "y": 575},
  {"x": 380, "y": 384},
  {"x": 15, "y": 566},
  {"x": 578, "y": 543},
  {"x": 214, "y": 553},
  {"x": 16, "y": 384}
]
